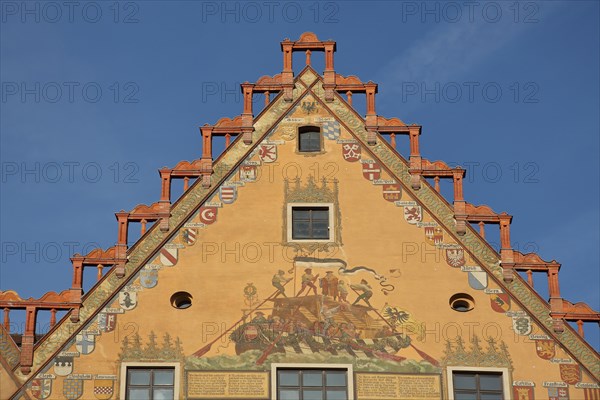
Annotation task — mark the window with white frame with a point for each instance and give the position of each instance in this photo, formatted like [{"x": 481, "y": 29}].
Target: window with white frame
[
  {"x": 310, "y": 222},
  {"x": 312, "y": 384},
  {"x": 309, "y": 139},
  {"x": 475, "y": 385},
  {"x": 149, "y": 381}
]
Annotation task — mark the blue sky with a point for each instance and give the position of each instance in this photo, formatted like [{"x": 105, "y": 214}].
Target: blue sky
[{"x": 97, "y": 96}]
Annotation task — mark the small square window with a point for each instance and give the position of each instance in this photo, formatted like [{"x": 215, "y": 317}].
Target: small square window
[
  {"x": 310, "y": 222},
  {"x": 309, "y": 139}
]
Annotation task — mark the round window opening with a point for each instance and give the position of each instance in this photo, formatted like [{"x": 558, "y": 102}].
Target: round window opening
[
  {"x": 462, "y": 302},
  {"x": 181, "y": 300}
]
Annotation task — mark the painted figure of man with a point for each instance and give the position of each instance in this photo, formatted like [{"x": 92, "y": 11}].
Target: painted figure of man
[
  {"x": 259, "y": 318},
  {"x": 308, "y": 280},
  {"x": 329, "y": 285},
  {"x": 328, "y": 316},
  {"x": 279, "y": 280},
  {"x": 343, "y": 291},
  {"x": 366, "y": 290}
]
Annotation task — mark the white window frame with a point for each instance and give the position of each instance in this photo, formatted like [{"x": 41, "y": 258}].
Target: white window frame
[
  {"x": 125, "y": 365},
  {"x": 276, "y": 366},
  {"x": 331, "y": 209},
  {"x": 506, "y": 386}
]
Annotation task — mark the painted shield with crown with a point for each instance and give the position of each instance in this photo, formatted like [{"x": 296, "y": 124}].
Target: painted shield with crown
[{"x": 392, "y": 192}]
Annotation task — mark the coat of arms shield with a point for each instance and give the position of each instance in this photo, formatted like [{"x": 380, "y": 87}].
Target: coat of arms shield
[
  {"x": 331, "y": 130},
  {"x": 189, "y": 236},
  {"x": 478, "y": 280},
  {"x": 351, "y": 152},
  {"x": 545, "y": 349},
  {"x": 413, "y": 214},
  {"x": 127, "y": 300},
  {"x": 85, "y": 343},
  {"x": 107, "y": 322},
  {"x": 434, "y": 235},
  {"x": 392, "y": 192},
  {"x": 103, "y": 388},
  {"x": 248, "y": 173},
  {"x": 228, "y": 194},
  {"x": 41, "y": 388},
  {"x": 63, "y": 365},
  {"x": 455, "y": 257},
  {"x": 371, "y": 171},
  {"x": 558, "y": 393},
  {"x": 72, "y": 388},
  {"x": 208, "y": 215},
  {"x": 570, "y": 373},
  {"x": 309, "y": 106},
  {"x": 522, "y": 325},
  {"x": 267, "y": 153},
  {"x": 168, "y": 256},
  {"x": 500, "y": 302},
  {"x": 149, "y": 278},
  {"x": 523, "y": 392}
]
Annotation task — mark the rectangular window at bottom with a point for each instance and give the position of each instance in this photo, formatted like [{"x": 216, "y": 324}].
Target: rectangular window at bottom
[
  {"x": 312, "y": 384},
  {"x": 477, "y": 385},
  {"x": 150, "y": 383}
]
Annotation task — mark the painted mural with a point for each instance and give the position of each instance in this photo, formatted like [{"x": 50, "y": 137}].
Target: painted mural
[{"x": 330, "y": 316}]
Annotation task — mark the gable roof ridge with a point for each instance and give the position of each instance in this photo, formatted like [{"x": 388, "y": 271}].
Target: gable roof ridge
[{"x": 472, "y": 242}]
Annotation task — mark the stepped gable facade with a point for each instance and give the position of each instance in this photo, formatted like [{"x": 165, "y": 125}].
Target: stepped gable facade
[{"x": 309, "y": 260}]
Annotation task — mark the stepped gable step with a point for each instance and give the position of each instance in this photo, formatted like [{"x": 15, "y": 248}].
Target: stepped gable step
[
  {"x": 98, "y": 256},
  {"x": 152, "y": 212},
  {"x": 580, "y": 311},
  {"x": 186, "y": 168},
  {"x": 532, "y": 261}
]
